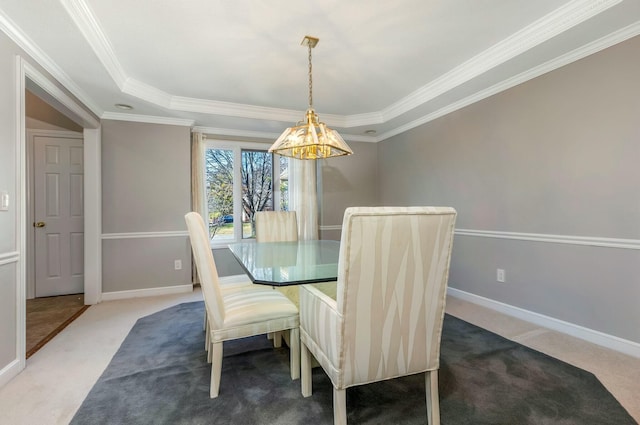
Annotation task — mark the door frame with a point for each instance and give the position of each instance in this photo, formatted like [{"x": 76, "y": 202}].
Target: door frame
[
  {"x": 30, "y": 196},
  {"x": 45, "y": 87}
]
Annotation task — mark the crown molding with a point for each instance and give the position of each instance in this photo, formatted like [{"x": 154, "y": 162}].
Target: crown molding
[
  {"x": 577, "y": 54},
  {"x": 148, "y": 119},
  {"x": 25, "y": 43},
  {"x": 545, "y": 28},
  {"x": 147, "y": 93},
  {"x": 554, "y": 23},
  {"x": 90, "y": 28},
  {"x": 229, "y": 109},
  {"x": 230, "y": 132},
  {"x": 270, "y": 136}
]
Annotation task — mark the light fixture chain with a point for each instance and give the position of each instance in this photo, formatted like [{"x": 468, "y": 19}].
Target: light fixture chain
[{"x": 310, "y": 81}]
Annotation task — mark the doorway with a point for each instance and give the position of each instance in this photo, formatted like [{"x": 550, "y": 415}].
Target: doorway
[
  {"x": 34, "y": 79},
  {"x": 55, "y": 264}
]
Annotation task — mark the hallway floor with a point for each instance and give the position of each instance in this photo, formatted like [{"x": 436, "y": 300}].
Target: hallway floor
[{"x": 48, "y": 316}]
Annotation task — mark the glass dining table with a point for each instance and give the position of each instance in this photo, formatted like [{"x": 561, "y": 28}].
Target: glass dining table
[{"x": 288, "y": 263}]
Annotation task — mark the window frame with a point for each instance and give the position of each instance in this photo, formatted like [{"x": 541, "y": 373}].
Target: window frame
[{"x": 237, "y": 147}]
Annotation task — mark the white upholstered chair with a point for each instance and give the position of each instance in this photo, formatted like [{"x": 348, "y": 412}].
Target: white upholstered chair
[
  {"x": 276, "y": 226},
  {"x": 387, "y": 319},
  {"x": 238, "y": 311}
]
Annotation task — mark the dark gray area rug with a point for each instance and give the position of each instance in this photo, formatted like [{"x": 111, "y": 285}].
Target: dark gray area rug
[{"x": 160, "y": 376}]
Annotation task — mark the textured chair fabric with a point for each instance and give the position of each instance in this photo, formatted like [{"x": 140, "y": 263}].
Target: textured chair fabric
[
  {"x": 238, "y": 311},
  {"x": 276, "y": 226},
  {"x": 386, "y": 320}
]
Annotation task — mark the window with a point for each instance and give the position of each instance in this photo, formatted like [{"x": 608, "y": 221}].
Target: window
[{"x": 240, "y": 180}]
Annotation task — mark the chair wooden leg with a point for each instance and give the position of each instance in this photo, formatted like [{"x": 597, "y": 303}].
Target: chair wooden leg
[
  {"x": 216, "y": 369},
  {"x": 433, "y": 401},
  {"x": 207, "y": 337},
  {"x": 209, "y": 352},
  {"x": 277, "y": 339},
  {"x": 305, "y": 370},
  {"x": 339, "y": 406},
  {"x": 294, "y": 353}
]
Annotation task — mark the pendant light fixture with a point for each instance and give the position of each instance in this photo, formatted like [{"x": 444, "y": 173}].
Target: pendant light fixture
[{"x": 310, "y": 138}]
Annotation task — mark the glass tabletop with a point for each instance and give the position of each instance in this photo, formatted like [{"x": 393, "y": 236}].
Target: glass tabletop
[{"x": 288, "y": 263}]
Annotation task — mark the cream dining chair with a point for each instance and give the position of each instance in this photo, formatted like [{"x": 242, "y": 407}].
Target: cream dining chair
[
  {"x": 239, "y": 311},
  {"x": 387, "y": 319},
  {"x": 276, "y": 226}
]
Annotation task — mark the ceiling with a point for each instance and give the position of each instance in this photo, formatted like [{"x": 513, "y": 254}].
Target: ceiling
[{"x": 237, "y": 68}]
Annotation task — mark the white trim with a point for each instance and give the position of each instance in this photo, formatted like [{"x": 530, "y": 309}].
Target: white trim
[
  {"x": 47, "y": 85},
  {"x": 559, "y": 239},
  {"x": 26, "y": 44},
  {"x": 559, "y": 20},
  {"x": 21, "y": 213},
  {"x": 227, "y": 132},
  {"x": 596, "y": 337},
  {"x": 215, "y": 131},
  {"x": 579, "y": 53},
  {"x": 92, "y": 215},
  {"x": 545, "y": 28},
  {"x": 10, "y": 371},
  {"x": 143, "y": 235},
  {"x": 539, "y": 237},
  {"x": 9, "y": 257},
  {"x": 24, "y": 70},
  {"x": 119, "y": 116},
  {"x": 331, "y": 227},
  {"x": 90, "y": 28},
  {"x": 150, "y": 292}
]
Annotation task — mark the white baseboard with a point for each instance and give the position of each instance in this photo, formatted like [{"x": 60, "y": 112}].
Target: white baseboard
[
  {"x": 596, "y": 337},
  {"x": 150, "y": 292},
  {"x": 9, "y": 372}
]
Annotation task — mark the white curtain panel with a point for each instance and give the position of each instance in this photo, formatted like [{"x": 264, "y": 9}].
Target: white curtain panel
[
  {"x": 303, "y": 197},
  {"x": 198, "y": 195}
]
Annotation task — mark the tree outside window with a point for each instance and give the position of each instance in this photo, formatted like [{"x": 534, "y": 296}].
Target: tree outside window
[{"x": 257, "y": 178}]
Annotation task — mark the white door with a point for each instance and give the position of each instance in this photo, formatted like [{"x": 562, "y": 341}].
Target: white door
[{"x": 59, "y": 217}]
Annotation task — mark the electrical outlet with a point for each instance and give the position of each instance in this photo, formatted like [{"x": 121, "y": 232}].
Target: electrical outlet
[
  {"x": 177, "y": 264},
  {"x": 500, "y": 276}
]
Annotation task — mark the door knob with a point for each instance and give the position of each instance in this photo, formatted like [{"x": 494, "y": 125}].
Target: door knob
[{"x": 39, "y": 224}]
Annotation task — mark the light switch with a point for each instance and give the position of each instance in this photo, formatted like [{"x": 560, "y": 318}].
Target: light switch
[{"x": 4, "y": 201}]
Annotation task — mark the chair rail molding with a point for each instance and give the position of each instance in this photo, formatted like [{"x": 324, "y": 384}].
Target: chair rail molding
[
  {"x": 549, "y": 238},
  {"x": 9, "y": 257},
  {"x": 143, "y": 235},
  {"x": 539, "y": 237}
]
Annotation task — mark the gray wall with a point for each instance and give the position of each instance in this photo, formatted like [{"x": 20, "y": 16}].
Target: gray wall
[
  {"x": 344, "y": 182},
  {"x": 10, "y": 262},
  {"x": 557, "y": 155},
  {"x": 145, "y": 192}
]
